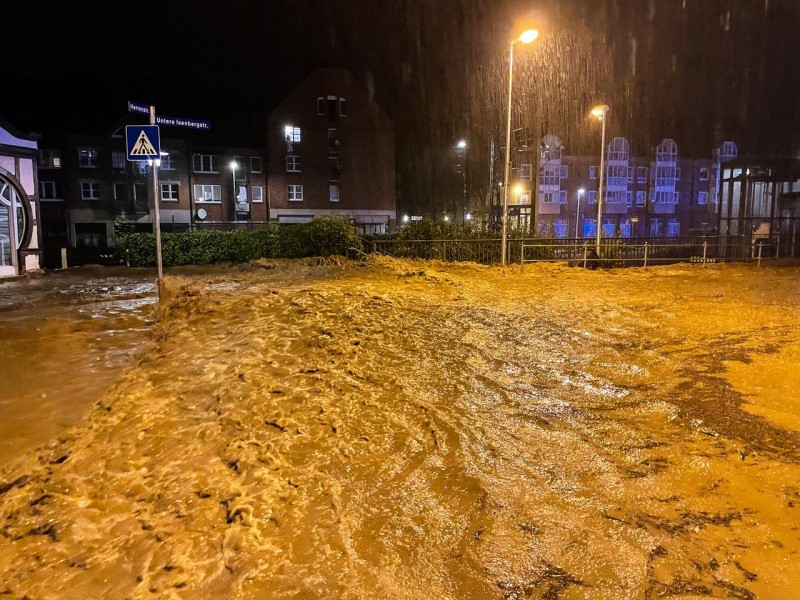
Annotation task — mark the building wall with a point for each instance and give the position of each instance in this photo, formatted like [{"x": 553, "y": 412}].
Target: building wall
[{"x": 346, "y": 142}]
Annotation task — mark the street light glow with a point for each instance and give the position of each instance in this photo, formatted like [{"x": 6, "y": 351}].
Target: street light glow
[
  {"x": 518, "y": 189},
  {"x": 581, "y": 191},
  {"x": 233, "y": 165},
  {"x": 405, "y": 218},
  {"x": 462, "y": 143},
  {"x": 528, "y": 36},
  {"x": 600, "y": 111}
]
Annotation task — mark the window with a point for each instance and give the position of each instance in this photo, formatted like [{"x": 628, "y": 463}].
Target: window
[
  {"x": 589, "y": 228},
  {"x": 630, "y": 174},
  {"x": 592, "y": 197},
  {"x": 629, "y": 199},
  {"x": 525, "y": 171},
  {"x": 593, "y": 172},
  {"x": 90, "y": 190},
  {"x": 121, "y": 191},
  {"x": 547, "y": 197},
  {"x": 333, "y": 193},
  {"x": 609, "y": 228},
  {"x": 295, "y": 193},
  {"x": 118, "y": 160},
  {"x": 641, "y": 175},
  {"x": 640, "y": 198},
  {"x": 293, "y": 164},
  {"x": 87, "y": 158},
  {"x": 207, "y": 193},
  {"x": 50, "y": 159},
  {"x": 139, "y": 191},
  {"x": 167, "y": 161},
  {"x": 257, "y": 194},
  {"x": 169, "y": 192},
  {"x": 617, "y": 176},
  {"x": 255, "y": 164},
  {"x": 333, "y": 140},
  {"x": 49, "y": 190},
  {"x": 342, "y": 107},
  {"x": 335, "y": 169},
  {"x": 703, "y": 174},
  {"x": 91, "y": 235},
  {"x": 625, "y": 228},
  {"x": 550, "y": 176},
  {"x": 655, "y": 227},
  {"x": 321, "y": 105},
  {"x": 291, "y": 134},
  {"x": 560, "y": 228},
  {"x": 562, "y": 197},
  {"x": 206, "y": 163},
  {"x": 702, "y": 197},
  {"x": 673, "y": 227},
  {"x": 564, "y": 171}
]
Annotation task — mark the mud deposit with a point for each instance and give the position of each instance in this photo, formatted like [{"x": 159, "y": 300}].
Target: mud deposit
[{"x": 418, "y": 430}]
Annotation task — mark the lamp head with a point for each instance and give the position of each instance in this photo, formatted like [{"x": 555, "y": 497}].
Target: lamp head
[
  {"x": 600, "y": 111},
  {"x": 528, "y": 36}
]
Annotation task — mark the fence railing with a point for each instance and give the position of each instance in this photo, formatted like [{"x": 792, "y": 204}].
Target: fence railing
[{"x": 615, "y": 252}]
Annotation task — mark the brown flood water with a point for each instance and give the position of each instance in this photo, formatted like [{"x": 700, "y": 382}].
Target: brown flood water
[{"x": 416, "y": 430}]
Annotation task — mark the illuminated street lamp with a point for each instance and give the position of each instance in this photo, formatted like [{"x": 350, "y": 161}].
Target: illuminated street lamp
[
  {"x": 578, "y": 213},
  {"x": 234, "y": 166},
  {"x": 526, "y": 38},
  {"x": 461, "y": 153},
  {"x": 601, "y": 112}
]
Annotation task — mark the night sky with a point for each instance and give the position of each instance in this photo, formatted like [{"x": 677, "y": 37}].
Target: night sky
[{"x": 698, "y": 71}]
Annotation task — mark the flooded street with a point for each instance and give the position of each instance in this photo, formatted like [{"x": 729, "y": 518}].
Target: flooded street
[
  {"x": 65, "y": 337},
  {"x": 405, "y": 429}
]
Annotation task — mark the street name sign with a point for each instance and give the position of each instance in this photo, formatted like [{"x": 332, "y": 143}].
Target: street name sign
[
  {"x": 143, "y": 109},
  {"x": 143, "y": 142}
]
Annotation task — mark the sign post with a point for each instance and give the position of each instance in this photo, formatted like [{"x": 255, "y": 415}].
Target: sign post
[{"x": 144, "y": 143}]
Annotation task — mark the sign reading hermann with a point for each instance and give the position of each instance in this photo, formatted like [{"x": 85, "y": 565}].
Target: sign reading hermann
[{"x": 143, "y": 142}]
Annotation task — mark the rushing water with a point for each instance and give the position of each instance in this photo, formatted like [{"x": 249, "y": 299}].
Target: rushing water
[
  {"x": 414, "y": 430},
  {"x": 65, "y": 339}
]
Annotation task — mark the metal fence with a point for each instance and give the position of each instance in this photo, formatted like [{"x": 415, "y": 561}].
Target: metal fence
[{"x": 615, "y": 252}]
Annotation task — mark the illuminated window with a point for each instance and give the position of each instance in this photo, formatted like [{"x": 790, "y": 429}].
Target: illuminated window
[
  {"x": 167, "y": 162},
  {"x": 50, "y": 159},
  {"x": 702, "y": 197},
  {"x": 257, "y": 194},
  {"x": 704, "y": 174},
  {"x": 333, "y": 193},
  {"x": 592, "y": 197},
  {"x": 641, "y": 175},
  {"x": 207, "y": 193},
  {"x": 640, "y": 198},
  {"x": 593, "y": 172},
  {"x": 291, "y": 134}
]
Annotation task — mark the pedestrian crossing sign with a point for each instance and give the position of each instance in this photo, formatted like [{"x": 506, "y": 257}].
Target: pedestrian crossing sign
[{"x": 143, "y": 142}]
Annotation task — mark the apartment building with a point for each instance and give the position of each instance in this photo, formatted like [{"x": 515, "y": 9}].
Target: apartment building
[
  {"x": 20, "y": 234},
  {"x": 331, "y": 151},
  {"x": 87, "y": 186}
]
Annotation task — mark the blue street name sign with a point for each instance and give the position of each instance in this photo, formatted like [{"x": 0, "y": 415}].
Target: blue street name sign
[
  {"x": 169, "y": 121},
  {"x": 143, "y": 142}
]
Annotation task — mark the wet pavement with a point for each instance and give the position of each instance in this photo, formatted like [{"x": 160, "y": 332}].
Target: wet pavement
[{"x": 405, "y": 429}]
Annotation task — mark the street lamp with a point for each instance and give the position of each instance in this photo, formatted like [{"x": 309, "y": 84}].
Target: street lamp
[
  {"x": 526, "y": 38},
  {"x": 581, "y": 191},
  {"x": 234, "y": 166},
  {"x": 601, "y": 112},
  {"x": 461, "y": 153}
]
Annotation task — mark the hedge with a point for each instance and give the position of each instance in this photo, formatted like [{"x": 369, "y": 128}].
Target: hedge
[{"x": 324, "y": 236}]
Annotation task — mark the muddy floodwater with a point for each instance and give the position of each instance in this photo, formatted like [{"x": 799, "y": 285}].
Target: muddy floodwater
[{"x": 399, "y": 429}]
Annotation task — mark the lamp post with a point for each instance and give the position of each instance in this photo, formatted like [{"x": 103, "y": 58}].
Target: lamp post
[
  {"x": 526, "y": 38},
  {"x": 578, "y": 212},
  {"x": 234, "y": 166},
  {"x": 601, "y": 112},
  {"x": 461, "y": 152}
]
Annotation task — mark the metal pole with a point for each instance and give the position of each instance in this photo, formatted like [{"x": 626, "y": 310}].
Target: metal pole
[
  {"x": 705, "y": 252},
  {"x": 578, "y": 215},
  {"x": 760, "y": 244},
  {"x": 160, "y": 280},
  {"x": 645, "y": 254},
  {"x": 585, "y": 253},
  {"x": 521, "y": 256},
  {"x": 233, "y": 190},
  {"x": 600, "y": 192},
  {"x": 504, "y": 220}
]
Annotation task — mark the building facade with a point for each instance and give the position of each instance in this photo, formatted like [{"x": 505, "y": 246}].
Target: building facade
[
  {"x": 20, "y": 231},
  {"x": 331, "y": 151}
]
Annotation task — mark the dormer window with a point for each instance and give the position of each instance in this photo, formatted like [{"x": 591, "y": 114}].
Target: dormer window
[{"x": 331, "y": 106}]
